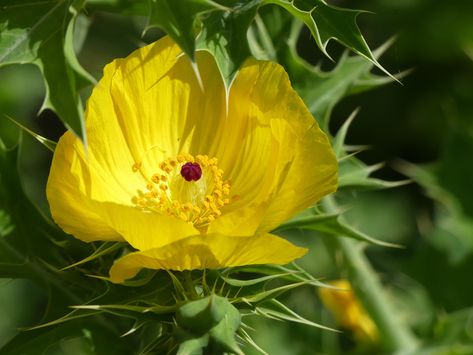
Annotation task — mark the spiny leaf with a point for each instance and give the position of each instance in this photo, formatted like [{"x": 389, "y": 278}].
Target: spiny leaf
[
  {"x": 139, "y": 323},
  {"x": 40, "y": 32},
  {"x": 138, "y": 309},
  {"x": 332, "y": 224},
  {"x": 273, "y": 272},
  {"x": 355, "y": 174},
  {"x": 327, "y": 22},
  {"x": 247, "y": 338},
  {"x": 251, "y": 282},
  {"x": 338, "y": 141},
  {"x": 103, "y": 249},
  {"x": 74, "y": 315},
  {"x": 272, "y": 293},
  {"x": 276, "y": 310}
]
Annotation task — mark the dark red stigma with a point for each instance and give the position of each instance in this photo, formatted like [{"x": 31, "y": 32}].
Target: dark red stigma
[{"x": 191, "y": 171}]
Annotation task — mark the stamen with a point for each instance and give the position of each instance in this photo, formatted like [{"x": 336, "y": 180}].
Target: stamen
[{"x": 186, "y": 187}]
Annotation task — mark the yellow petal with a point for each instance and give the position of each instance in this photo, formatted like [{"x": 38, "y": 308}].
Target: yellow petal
[
  {"x": 162, "y": 114},
  {"x": 144, "y": 230},
  {"x": 208, "y": 252},
  {"x": 89, "y": 220},
  {"x": 70, "y": 208},
  {"x": 108, "y": 158},
  {"x": 278, "y": 159},
  {"x": 145, "y": 109}
]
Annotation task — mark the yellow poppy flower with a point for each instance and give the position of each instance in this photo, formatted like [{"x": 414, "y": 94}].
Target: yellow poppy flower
[
  {"x": 348, "y": 312},
  {"x": 188, "y": 173}
]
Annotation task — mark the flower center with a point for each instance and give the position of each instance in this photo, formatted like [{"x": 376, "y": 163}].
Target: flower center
[{"x": 187, "y": 187}]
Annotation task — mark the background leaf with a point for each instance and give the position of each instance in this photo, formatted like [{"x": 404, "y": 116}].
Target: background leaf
[{"x": 40, "y": 32}]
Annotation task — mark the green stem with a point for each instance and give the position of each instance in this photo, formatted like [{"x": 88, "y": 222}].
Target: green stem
[
  {"x": 265, "y": 38},
  {"x": 396, "y": 336}
]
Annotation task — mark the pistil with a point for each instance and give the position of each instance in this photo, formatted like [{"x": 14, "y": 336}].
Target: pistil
[{"x": 191, "y": 171}]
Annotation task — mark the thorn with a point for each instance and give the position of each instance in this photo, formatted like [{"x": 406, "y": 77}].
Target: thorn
[{"x": 196, "y": 70}]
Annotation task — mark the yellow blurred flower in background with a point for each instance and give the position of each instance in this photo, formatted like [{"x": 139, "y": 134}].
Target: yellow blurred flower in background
[
  {"x": 190, "y": 174},
  {"x": 348, "y": 312}
]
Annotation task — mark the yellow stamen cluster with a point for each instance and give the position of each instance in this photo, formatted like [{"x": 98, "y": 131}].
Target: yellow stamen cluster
[{"x": 198, "y": 202}]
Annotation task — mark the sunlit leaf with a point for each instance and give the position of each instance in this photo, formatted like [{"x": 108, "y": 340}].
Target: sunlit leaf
[{"x": 328, "y": 22}]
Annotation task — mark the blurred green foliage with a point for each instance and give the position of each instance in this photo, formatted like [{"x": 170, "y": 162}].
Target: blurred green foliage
[{"x": 428, "y": 120}]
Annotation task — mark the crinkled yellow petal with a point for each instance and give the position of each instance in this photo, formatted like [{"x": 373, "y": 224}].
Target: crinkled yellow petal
[
  {"x": 208, "y": 252},
  {"x": 70, "y": 208},
  {"x": 278, "y": 159},
  {"x": 144, "y": 230}
]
